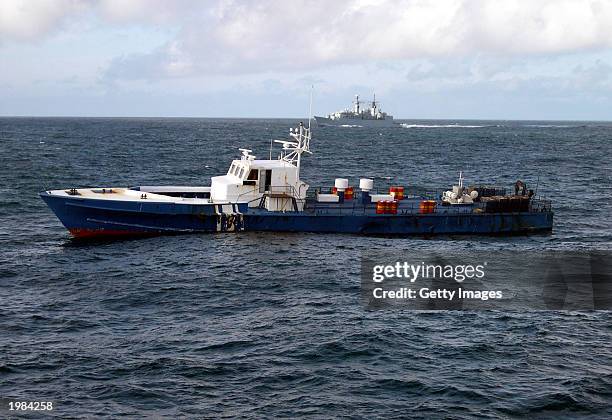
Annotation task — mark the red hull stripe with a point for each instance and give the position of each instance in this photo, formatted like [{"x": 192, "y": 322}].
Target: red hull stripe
[{"x": 100, "y": 233}]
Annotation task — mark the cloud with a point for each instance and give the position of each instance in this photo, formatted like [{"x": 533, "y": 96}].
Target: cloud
[
  {"x": 275, "y": 35},
  {"x": 248, "y": 37},
  {"x": 28, "y": 20},
  {"x": 31, "y": 20},
  {"x": 158, "y": 12}
]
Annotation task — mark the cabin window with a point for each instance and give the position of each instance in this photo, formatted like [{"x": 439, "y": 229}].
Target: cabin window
[
  {"x": 253, "y": 175},
  {"x": 241, "y": 173},
  {"x": 231, "y": 169},
  {"x": 252, "y": 178}
]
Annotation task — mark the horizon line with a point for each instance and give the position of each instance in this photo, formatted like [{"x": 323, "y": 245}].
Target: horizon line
[{"x": 283, "y": 118}]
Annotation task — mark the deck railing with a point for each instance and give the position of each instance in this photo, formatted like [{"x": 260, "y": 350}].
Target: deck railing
[
  {"x": 410, "y": 205},
  {"x": 409, "y": 192},
  {"x": 540, "y": 205}
]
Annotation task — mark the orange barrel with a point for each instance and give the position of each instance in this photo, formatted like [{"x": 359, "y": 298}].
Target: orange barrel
[
  {"x": 349, "y": 193},
  {"x": 427, "y": 206},
  {"x": 423, "y": 206},
  {"x": 400, "y": 193},
  {"x": 432, "y": 206},
  {"x": 388, "y": 206},
  {"x": 380, "y": 207},
  {"x": 394, "y": 206},
  {"x": 397, "y": 192}
]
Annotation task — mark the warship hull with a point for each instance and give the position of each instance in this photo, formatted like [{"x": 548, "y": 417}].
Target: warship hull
[{"x": 353, "y": 122}]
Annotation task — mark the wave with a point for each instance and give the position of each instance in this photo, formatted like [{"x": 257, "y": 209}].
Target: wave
[
  {"x": 350, "y": 125},
  {"x": 553, "y": 126},
  {"x": 443, "y": 126},
  {"x": 405, "y": 125}
]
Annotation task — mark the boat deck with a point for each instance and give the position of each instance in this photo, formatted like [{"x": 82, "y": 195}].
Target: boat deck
[{"x": 125, "y": 194}]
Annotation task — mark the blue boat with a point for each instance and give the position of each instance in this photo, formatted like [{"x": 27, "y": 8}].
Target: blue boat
[{"x": 268, "y": 195}]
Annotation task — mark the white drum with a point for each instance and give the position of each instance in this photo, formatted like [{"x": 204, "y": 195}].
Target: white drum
[
  {"x": 366, "y": 184},
  {"x": 341, "y": 184}
]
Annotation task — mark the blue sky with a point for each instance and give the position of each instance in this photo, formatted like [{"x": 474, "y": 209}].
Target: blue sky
[{"x": 498, "y": 59}]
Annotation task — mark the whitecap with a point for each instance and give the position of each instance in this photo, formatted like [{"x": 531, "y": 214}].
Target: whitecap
[{"x": 441, "y": 126}]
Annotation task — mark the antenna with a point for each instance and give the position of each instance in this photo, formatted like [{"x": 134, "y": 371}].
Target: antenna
[
  {"x": 271, "y": 142},
  {"x": 293, "y": 149},
  {"x": 310, "y": 107}
]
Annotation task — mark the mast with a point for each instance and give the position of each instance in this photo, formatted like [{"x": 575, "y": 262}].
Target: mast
[
  {"x": 299, "y": 144},
  {"x": 373, "y": 109},
  {"x": 310, "y": 107},
  {"x": 299, "y": 155}
]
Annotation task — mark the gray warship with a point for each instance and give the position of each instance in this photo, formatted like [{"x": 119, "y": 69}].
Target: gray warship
[{"x": 358, "y": 116}]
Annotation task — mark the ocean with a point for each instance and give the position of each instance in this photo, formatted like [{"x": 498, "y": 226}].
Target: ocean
[{"x": 271, "y": 325}]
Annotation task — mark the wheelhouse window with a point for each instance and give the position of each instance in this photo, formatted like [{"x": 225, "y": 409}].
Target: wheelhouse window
[
  {"x": 231, "y": 169},
  {"x": 253, "y": 175},
  {"x": 252, "y": 178}
]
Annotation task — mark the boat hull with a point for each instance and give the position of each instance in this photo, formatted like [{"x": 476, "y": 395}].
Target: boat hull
[
  {"x": 86, "y": 218},
  {"x": 406, "y": 225}
]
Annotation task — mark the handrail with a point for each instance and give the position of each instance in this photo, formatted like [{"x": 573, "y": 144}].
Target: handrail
[
  {"x": 246, "y": 192},
  {"x": 289, "y": 188},
  {"x": 281, "y": 188},
  {"x": 409, "y": 192},
  {"x": 413, "y": 207},
  {"x": 405, "y": 207}
]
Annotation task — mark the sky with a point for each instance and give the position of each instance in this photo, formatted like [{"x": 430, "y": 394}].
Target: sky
[{"x": 448, "y": 59}]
